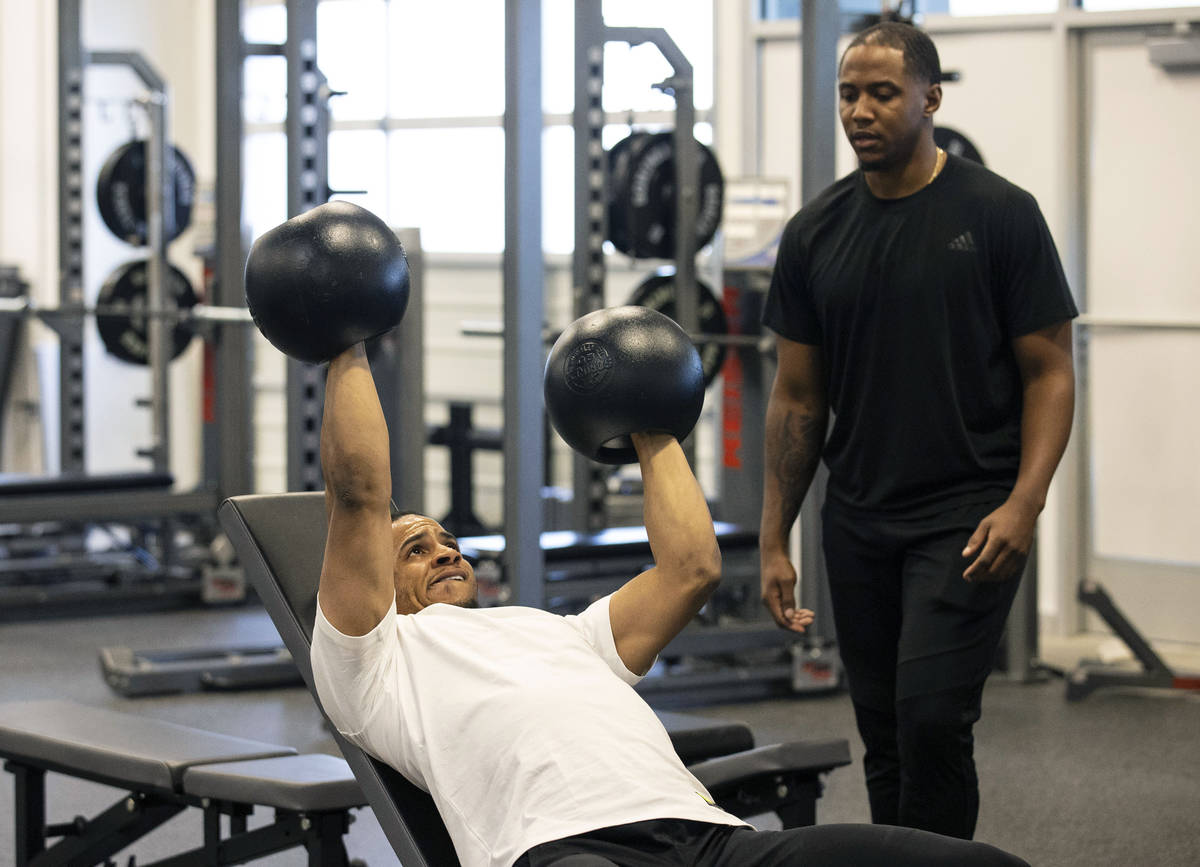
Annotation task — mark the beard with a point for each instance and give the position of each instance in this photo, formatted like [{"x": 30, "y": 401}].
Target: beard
[{"x": 473, "y": 602}]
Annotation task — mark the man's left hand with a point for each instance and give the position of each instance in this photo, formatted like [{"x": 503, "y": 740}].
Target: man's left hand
[{"x": 1001, "y": 543}]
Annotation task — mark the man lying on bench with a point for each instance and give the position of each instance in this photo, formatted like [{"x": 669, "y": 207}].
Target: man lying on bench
[{"x": 524, "y": 725}]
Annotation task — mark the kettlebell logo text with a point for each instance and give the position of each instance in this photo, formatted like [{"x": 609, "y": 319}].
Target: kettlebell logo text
[{"x": 588, "y": 367}]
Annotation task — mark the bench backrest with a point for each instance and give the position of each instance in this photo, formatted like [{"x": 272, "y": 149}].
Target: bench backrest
[{"x": 280, "y": 541}]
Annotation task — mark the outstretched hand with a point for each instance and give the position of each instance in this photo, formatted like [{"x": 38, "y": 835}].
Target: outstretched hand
[
  {"x": 1000, "y": 544},
  {"x": 779, "y": 591}
]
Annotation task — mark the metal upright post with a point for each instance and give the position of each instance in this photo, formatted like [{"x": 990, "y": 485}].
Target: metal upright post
[
  {"x": 820, "y": 28},
  {"x": 524, "y": 279},
  {"x": 687, "y": 173},
  {"x": 307, "y": 186},
  {"x": 588, "y": 269},
  {"x": 72, "y": 439},
  {"x": 228, "y": 448},
  {"x": 159, "y": 203}
]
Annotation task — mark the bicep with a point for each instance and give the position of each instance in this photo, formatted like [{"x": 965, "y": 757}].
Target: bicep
[
  {"x": 1045, "y": 352},
  {"x": 649, "y": 611},
  {"x": 356, "y": 574},
  {"x": 800, "y": 376}
]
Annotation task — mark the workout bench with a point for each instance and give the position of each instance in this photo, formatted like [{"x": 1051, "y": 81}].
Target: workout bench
[
  {"x": 280, "y": 540},
  {"x": 165, "y": 768}
]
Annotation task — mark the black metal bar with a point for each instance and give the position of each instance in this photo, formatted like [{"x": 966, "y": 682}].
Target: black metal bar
[
  {"x": 307, "y": 128},
  {"x": 801, "y": 812},
  {"x": 591, "y": 228},
  {"x": 72, "y": 437},
  {"x": 1093, "y": 594},
  {"x": 134, "y": 816},
  {"x": 29, "y": 810},
  {"x": 458, "y": 436},
  {"x": 229, "y": 425},
  {"x": 324, "y": 840}
]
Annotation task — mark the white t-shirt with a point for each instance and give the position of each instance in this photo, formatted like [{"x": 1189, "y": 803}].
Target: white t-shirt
[{"x": 523, "y": 725}]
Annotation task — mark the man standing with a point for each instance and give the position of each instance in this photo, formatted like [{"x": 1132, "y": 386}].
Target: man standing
[{"x": 921, "y": 302}]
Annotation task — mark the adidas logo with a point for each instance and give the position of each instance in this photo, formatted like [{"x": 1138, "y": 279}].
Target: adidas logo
[{"x": 964, "y": 243}]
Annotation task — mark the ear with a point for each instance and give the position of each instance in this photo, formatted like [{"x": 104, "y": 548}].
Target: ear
[{"x": 933, "y": 99}]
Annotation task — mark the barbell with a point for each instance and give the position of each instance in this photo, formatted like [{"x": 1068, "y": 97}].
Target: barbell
[{"x": 122, "y": 312}]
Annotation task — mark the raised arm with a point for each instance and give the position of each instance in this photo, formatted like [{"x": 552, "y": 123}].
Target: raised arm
[
  {"x": 1002, "y": 541},
  {"x": 797, "y": 418},
  {"x": 356, "y": 575},
  {"x": 652, "y": 608}
]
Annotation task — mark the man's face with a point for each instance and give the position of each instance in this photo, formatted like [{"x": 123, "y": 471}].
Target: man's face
[
  {"x": 429, "y": 567},
  {"x": 883, "y": 108}
]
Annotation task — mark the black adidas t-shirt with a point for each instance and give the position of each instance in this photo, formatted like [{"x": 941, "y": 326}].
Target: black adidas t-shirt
[{"x": 915, "y": 302}]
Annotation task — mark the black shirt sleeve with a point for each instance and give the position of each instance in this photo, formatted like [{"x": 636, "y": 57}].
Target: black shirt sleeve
[
  {"x": 789, "y": 309},
  {"x": 1035, "y": 289}
]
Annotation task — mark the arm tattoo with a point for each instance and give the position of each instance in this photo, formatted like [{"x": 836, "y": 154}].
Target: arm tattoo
[{"x": 798, "y": 439}]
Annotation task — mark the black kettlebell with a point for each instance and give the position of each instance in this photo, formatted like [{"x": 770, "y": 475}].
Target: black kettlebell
[
  {"x": 619, "y": 371},
  {"x": 325, "y": 280}
]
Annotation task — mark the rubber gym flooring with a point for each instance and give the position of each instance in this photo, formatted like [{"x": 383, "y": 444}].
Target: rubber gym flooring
[{"x": 1111, "y": 780}]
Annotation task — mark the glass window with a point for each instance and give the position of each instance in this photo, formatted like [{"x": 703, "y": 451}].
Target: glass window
[
  {"x": 631, "y": 72},
  {"x": 1001, "y": 7},
  {"x": 1108, "y": 5},
  {"x": 352, "y": 51},
  {"x": 358, "y": 162},
  {"x": 558, "y": 189},
  {"x": 558, "y": 56},
  {"x": 264, "y": 205},
  {"x": 413, "y": 64},
  {"x": 446, "y": 59},
  {"x": 264, "y": 96},
  {"x": 263, "y": 22},
  {"x": 450, "y": 184}
]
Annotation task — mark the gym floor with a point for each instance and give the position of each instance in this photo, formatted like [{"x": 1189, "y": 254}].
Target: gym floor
[{"x": 1110, "y": 780}]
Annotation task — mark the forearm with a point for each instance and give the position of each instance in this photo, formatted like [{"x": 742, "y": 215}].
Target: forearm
[
  {"x": 795, "y": 435},
  {"x": 678, "y": 523},
  {"x": 354, "y": 440},
  {"x": 1047, "y": 414}
]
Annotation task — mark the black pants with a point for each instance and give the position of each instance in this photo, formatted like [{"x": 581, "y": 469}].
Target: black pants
[
  {"x": 662, "y": 842},
  {"x": 917, "y": 642}
]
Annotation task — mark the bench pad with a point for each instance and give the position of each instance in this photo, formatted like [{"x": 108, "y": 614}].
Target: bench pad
[
  {"x": 306, "y": 784},
  {"x": 813, "y": 757},
  {"x": 118, "y": 747}
]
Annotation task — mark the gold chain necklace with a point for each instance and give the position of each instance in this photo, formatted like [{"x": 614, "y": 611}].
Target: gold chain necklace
[{"x": 937, "y": 165}]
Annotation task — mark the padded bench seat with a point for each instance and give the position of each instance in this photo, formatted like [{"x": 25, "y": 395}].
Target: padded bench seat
[
  {"x": 300, "y": 783},
  {"x": 167, "y": 768},
  {"x": 106, "y": 745}
]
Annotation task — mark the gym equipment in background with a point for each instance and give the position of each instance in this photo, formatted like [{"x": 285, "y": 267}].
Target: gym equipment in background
[
  {"x": 127, "y": 335},
  {"x": 658, "y": 292},
  {"x": 1091, "y": 675},
  {"x": 642, "y": 200},
  {"x": 121, "y": 193},
  {"x": 954, "y": 142}
]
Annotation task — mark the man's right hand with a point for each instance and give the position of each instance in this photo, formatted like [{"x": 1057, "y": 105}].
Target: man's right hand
[{"x": 779, "y": 593}]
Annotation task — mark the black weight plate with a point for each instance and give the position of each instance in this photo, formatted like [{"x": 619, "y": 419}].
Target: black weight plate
[
  {"x": 619, "y": 156},
  {"x": 121, "y": 193},
  {"x": 650, "y": 198},
  {"x": 127, "y": 336},
  {"x": 658, "y": 293},
  {"x": 954, "y": 142}
]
